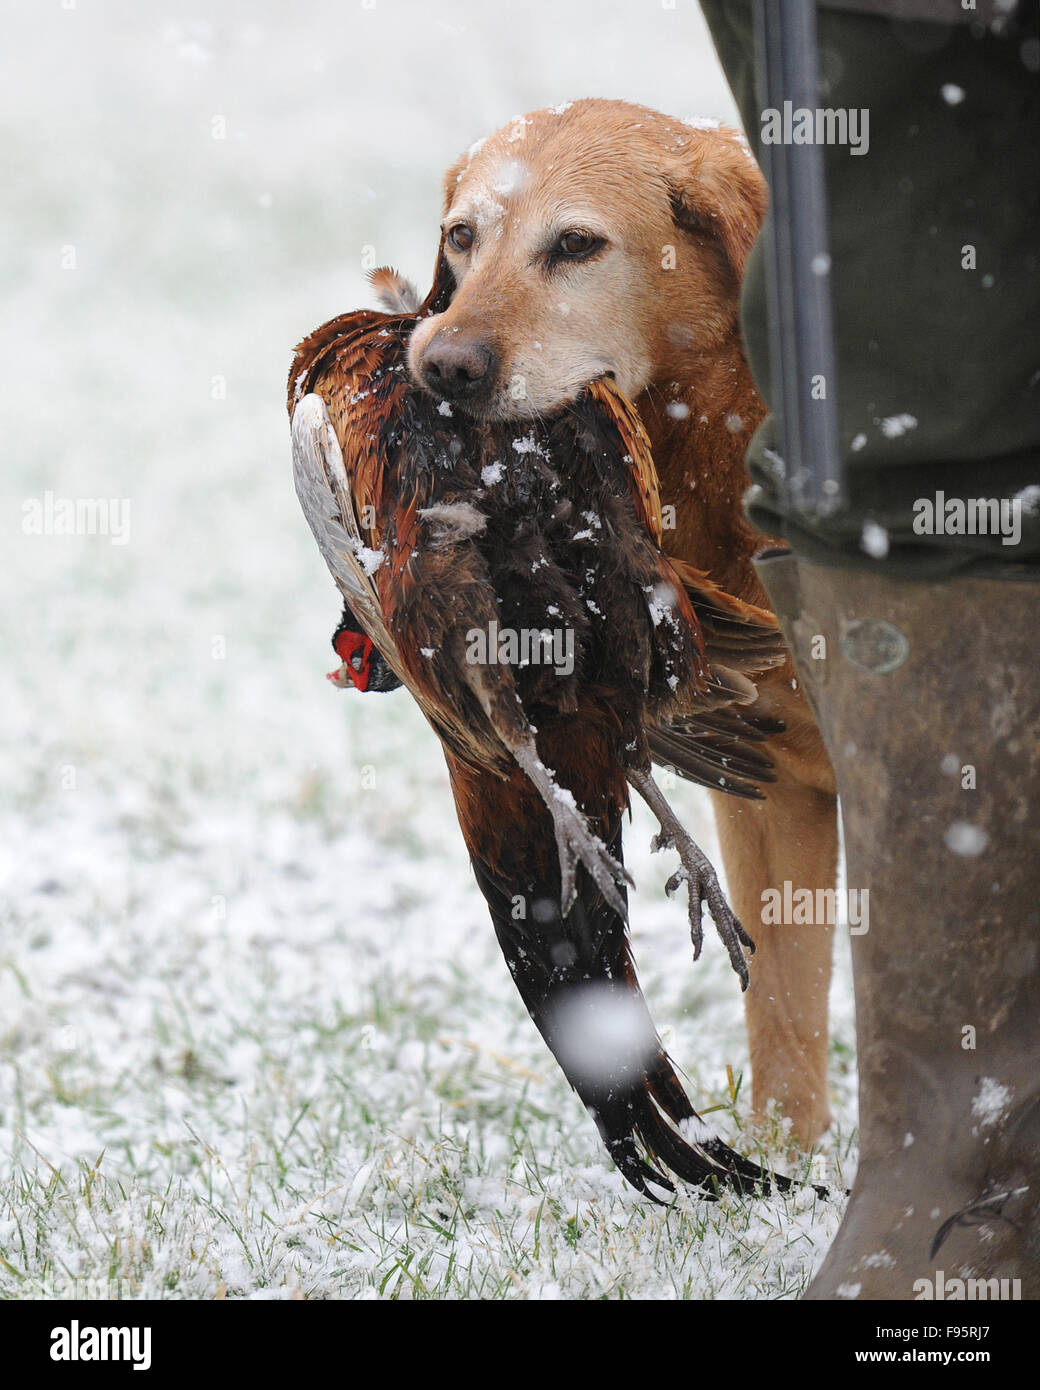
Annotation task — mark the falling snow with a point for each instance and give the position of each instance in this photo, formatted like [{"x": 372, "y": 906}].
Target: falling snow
[
  {"x": 892, "y": 426},
  {"x": 602, "y": 1032},
  {"x": 261, "y": 984},
  {"x": 965, "y": 839},
  {"x": 874, "y": 540}
]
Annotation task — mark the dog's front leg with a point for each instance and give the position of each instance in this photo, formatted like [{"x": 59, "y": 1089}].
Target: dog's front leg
[{"x": 789, "y": 838}]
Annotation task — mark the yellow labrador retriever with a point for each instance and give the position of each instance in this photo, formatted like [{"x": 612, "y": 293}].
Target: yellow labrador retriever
[{"x": 601, "y": 237}]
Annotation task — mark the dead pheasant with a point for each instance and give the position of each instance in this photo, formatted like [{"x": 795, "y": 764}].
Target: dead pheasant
[{"x": 511, "y": 576}]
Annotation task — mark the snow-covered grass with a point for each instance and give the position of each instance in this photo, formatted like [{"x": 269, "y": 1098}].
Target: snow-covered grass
[{"x": 256, "y": 1039}]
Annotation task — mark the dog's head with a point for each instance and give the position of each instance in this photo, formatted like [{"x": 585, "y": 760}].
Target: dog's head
[{"x": 592, "y": 238}]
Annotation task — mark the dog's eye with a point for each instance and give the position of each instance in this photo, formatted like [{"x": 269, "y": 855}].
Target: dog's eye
[
  {"x": 577, "y": 246},
  {"x": 460, "y": 237}
]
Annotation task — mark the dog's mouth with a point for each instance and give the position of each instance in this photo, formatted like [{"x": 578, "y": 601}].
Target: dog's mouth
[{"x": 495, "y": 403}]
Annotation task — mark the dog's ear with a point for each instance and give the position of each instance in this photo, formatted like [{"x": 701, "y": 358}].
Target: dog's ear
[
  {"x": 443, "y": 286},
  {"x": 718, "y": 193},
  {"x": 443, "y": 280},
  {"x": 451, "y": 180}
]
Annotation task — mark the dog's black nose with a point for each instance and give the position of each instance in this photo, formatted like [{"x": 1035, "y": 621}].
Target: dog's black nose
[{"x": 455, "y": 369}]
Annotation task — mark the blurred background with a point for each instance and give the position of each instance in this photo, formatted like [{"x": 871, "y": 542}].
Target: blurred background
[{"x": 242, "y": 954}]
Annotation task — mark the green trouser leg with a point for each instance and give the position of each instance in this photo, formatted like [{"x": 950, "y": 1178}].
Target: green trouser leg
[{"x": 935, "y": 275}]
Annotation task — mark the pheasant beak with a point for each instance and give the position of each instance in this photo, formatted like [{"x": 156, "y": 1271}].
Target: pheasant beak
[{"x": 355, "y": 649}]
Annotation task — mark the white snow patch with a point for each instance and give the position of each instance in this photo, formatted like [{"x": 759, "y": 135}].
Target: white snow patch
[
  {"x": 487, "y": 207},
  {"x": 695, "y": 1130},
  {"x": 370, "y": 560},
  {"x": 952, "y": 94},
  {"x": 678, "y": 410},
  {"x": 444, "y": 408},
  {"x": 527, "y": 444},
  {"x": 510, "y": 177},
  {"x": 492, "y": 473},
  {"x": 992, "y": 1101},
  {"x": 880, "y": 1259},
  {"x": 859, "y": 442},
  {"x": 741, "y": 140},
  {"x": 848, "y": 1290},
  {"x": 661, "y": 601}
]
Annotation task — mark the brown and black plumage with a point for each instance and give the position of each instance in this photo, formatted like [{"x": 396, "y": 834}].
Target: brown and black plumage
[{"x": 443, "y": 533}]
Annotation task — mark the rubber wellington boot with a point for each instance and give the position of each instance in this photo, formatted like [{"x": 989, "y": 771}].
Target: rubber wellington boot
[{"x": 928, "y": 698}]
